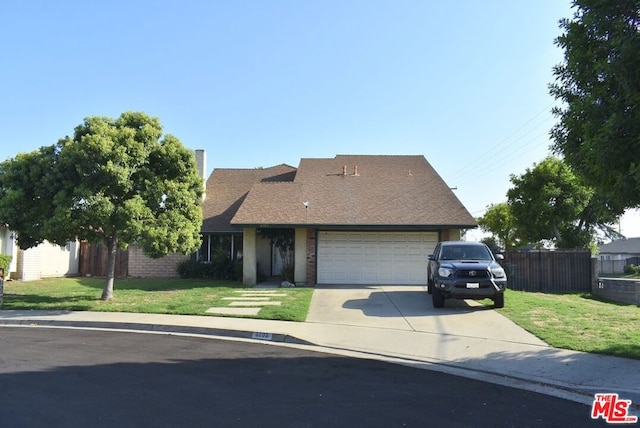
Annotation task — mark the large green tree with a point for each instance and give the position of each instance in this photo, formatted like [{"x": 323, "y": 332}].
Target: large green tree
[
  {"x": 114, "y": 182},
  {"x": 598, "y": 133},
  {"x": 28, "y": 184},
  {"x": 550, "y": 202},
  {"x": 498, "y": 220}
]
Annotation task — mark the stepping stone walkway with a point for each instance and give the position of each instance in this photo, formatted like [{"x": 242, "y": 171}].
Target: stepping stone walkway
[{"x": 247, "y": 302}]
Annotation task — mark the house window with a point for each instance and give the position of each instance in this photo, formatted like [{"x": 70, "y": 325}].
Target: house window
[{"x": 229, "y": 243}]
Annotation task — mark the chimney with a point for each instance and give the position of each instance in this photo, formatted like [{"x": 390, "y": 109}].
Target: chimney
[
  {"x": 201, "y": 162},
  {"x": 355, "y": 171},
  {"x": 344, "y": 170}
]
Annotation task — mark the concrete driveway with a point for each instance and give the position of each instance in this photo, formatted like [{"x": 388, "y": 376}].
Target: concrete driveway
[{"x": 409, "y": 308}]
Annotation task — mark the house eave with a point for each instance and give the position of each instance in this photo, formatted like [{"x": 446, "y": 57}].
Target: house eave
[
  {"x": 363, "y": 227},
  {"x": 237, "y": 231}
]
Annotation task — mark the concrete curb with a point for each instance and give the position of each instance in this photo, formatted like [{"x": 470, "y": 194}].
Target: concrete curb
[{"x": 161, "y": 328}]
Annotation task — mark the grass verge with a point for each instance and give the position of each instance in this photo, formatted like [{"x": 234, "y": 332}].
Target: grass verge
[
  {"x": 577, "y": 321},
  {"x": 165, "y": 296}
]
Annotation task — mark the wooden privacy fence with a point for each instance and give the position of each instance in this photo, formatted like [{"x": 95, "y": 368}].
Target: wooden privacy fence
[
  {"x": 557, "y": 271},
  {"x": 93, "y": 260}
]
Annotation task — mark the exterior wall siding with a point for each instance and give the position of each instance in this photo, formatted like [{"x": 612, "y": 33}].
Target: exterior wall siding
[
  {"x": 143, "y": 266},
  {"x": 617, "y": 264},
  {"x": 611, "y": 266},
  {"x": 300, "y": 258},
  {"x": 28, "y": 265},
  {"x": 47, "y": 261},
  {"x": 249, "y": 262},
  {"x": 59, "y": 261},
  {"x": 8, "y": 247}
]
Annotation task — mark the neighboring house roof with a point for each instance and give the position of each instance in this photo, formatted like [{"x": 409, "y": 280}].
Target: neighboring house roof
[
  {"x": 397, "y": 191},
  {"x": 227, "y": 188},
  {"x": 621, "y": 246}
]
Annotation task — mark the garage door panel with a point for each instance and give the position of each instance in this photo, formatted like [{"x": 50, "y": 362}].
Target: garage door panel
[
  {"x": 355, "y": 252},
  {"x": 374, "y": 257},
  {"x": 341, "y": 265},
  {"x": 370, "y": 264},
  {"x": 370, "y": 250},
  {"x": 415, "y": 278}
]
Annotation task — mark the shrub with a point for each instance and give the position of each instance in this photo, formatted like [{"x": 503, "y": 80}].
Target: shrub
[
  {"x": 222, "y": 264},
  {"x": 194, "y": 269},
  {"x": 237, "y": 270},
  {"x": 632, "y": 269},
  {"x": 220, "y": 267},
  {"x": 288, "y": 272},
  {"x": 5, "y": 261}
]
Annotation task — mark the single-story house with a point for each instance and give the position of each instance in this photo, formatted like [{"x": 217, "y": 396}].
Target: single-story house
[
  {"x": 358, "y": 219},
  {"x": 615, "y": 255}
]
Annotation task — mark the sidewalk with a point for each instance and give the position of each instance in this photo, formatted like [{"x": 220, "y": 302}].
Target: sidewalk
[{"x": 382, "y": 324}]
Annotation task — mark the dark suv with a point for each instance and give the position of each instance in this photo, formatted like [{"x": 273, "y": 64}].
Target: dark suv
[{"x": 465, "y": 270}]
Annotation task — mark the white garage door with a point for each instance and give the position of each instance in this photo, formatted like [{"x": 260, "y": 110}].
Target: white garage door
[{"x": 374, "y": 257}]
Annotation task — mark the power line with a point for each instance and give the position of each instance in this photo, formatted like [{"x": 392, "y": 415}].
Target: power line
[
  {"x": 471, "y": 175},
  {"x": 464, "y": 170}
]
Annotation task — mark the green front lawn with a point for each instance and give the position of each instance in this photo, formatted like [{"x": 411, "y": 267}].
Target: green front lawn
[
  {"x": 165, "y": 296},
  {"x": 577, "y": 321}
]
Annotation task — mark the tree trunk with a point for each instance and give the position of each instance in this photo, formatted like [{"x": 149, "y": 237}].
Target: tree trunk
[
  {"x": 556, "y": 233},
  {"x": 107, "y": 291},
  {"x": 287, "y": 263},
  {"x": 1, "y": 289}
]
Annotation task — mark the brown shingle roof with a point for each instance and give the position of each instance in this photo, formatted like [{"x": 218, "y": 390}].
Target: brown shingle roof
[
  {"x": 227, "y": 188},
  {"x": 387, "y": 191}
]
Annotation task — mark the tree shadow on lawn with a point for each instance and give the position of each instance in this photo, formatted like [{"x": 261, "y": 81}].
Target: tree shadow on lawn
[
  {"x": 592, "y": 297},
  {"x": 158, "y": 284},
  {"x": 37, "y": 301},
  {"x": 623, "y": 350}
]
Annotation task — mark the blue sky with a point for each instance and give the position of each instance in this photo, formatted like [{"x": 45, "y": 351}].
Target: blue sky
[{"x": 263, "y": 82}]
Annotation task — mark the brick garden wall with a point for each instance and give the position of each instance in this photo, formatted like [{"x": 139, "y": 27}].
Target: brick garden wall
[
  {"x": 142, "y": 266},
  {"x": 618, "y": 290}
]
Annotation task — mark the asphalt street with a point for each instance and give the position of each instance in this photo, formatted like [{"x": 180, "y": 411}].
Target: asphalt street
[{"x": 69, "y": 377}]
